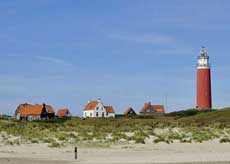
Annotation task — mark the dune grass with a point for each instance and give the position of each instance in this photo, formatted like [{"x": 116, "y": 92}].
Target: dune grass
[{"x": 186, "y": 126}]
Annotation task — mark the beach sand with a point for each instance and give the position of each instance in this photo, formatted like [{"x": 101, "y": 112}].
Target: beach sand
[
  {"x": 208, "y": 152},
  {"x": 29, "y": 161}
]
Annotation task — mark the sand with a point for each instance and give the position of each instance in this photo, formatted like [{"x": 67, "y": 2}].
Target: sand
[
  {"x": 29, "y": 161},
  {"x": 207, "y": 152}
]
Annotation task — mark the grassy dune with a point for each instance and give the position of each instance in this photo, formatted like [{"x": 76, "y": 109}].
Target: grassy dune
[{"x": 184, "y": 126}]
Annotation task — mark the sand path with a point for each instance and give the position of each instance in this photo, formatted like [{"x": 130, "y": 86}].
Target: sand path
[{"x": 207, "y": 152}]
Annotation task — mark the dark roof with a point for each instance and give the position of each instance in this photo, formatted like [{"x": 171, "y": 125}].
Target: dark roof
[{"x": 128, "y": 110}]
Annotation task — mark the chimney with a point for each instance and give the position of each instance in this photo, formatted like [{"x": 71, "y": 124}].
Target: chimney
[{"x": 43, "y": 105}]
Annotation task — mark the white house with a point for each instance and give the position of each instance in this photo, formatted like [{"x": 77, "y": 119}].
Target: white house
[{"x": 97, "y": 109}]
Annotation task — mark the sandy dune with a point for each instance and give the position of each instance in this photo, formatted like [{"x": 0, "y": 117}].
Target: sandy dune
[{"x": 207, "y": 152}]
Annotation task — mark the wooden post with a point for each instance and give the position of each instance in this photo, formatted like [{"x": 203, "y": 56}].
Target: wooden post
[{"x": 75, "y": 151}]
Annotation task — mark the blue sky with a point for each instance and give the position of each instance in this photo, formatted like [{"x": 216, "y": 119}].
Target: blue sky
[{"x": 126, "y": 52}]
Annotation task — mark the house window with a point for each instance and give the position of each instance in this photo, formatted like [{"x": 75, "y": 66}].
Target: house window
[
  {"x": 97, "y": 108},
  {"x": 85, "y": 114},
  {"x": 107, "y": 113},
  {"x": 97, "y": 114},
  {"x": 102, "y": 114},
  {"x": 90, "y": 114}
]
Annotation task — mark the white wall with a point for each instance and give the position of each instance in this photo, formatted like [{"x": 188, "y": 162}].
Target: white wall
[
  {"x": 111, "y": 114},
  {"x": 88, "y": 113},
  {"x": 31, "y": 118}
]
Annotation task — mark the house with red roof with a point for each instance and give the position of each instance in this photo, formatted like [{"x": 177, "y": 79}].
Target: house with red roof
[
  {"x": 29, "y": 112},
  {"x": 63, "y": 113},
  {"x": 97, "y": 109},
  {"x": 154, "y": 110},
  {"x": 130, "y": 112}
]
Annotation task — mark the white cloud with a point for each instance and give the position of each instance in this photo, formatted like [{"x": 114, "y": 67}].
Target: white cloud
[
  {"x": 54, "y": 60},
  {"x": 149, "y": 38}
]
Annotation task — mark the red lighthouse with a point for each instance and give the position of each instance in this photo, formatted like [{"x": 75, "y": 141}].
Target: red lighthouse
[{"x": 204, "y": 95}]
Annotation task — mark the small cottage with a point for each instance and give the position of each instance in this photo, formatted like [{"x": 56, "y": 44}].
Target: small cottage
[
  {"x": 97, "y": 109},
  {"x": 130, "y": 112},
  {"x": 152, "y": 110},
  {"x": 28, "y": 112},
  {"x": 63, "y": 113}
]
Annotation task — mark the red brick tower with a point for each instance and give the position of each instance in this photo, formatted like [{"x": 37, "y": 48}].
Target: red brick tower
[{"x": 204, "y": 95}]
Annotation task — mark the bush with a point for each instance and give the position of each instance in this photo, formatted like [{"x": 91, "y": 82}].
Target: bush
[
  {"x": 184, "y": 140},
  {"x": 224, "y": 140},
  {"x": 54, "y": 145},
  {"x": 34, "y": 141},
  {"x": 139, "y": 140},
  {"x": 62, "y": 137},
  {"x": 159, "y": 139}
]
